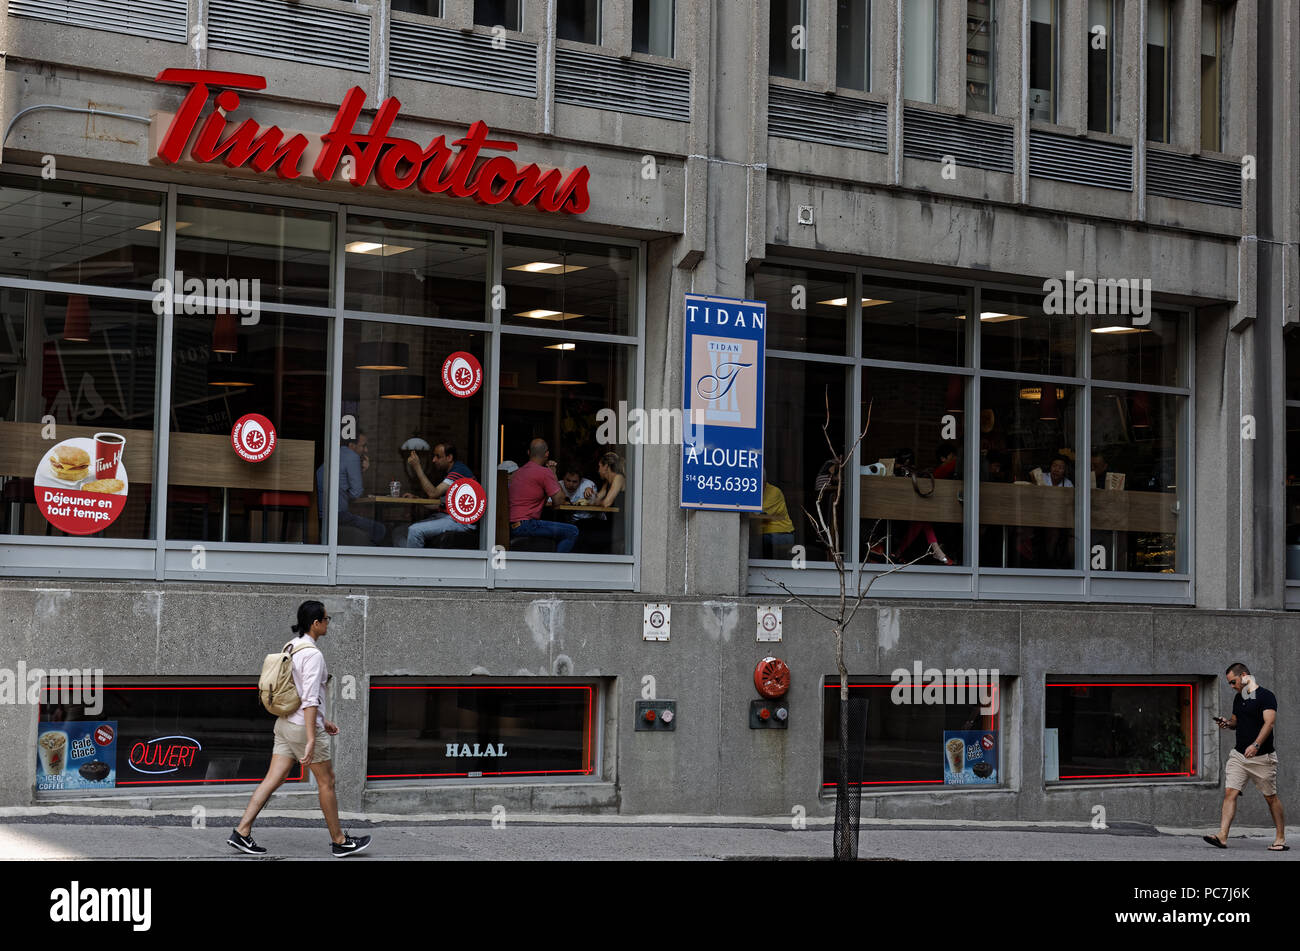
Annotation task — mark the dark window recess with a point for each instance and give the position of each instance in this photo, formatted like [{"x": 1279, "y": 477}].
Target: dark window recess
[
  {"x": 905, "y": 741},
  {"x": 444, "y": 732},
  {"x": 430, "y": 8},
  {"x": 196, "y": 734},
  {"x": 507, "y": 13},
  {"x": 578, "y": 20},
  {"x": 1120, "y": 731}
]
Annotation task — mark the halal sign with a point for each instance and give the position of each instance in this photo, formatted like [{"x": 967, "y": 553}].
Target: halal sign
[
  {"x": 462, "y": 374},
  {"x": 253, "y": 437},
  {"x": 466, "y": 501}
]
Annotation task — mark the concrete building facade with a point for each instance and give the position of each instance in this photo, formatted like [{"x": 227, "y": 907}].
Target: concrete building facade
[{"x": 919, "y": 162}]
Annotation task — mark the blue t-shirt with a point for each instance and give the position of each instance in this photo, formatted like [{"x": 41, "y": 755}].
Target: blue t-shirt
[
  {"x": 1250, "y": 720},
  {"x": 457, "y": 472}
]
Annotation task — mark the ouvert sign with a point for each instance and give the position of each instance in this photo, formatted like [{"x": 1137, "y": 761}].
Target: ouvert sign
[{"x": 393, "y": 163}]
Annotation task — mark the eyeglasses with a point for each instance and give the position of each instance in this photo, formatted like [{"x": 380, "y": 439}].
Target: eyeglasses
[{"x": 326, "y": 619}]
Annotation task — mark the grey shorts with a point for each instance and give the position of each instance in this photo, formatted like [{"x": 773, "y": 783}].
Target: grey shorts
[
  {"x": 291, "y": 741},
  {"x": 1260, "y": 767}
]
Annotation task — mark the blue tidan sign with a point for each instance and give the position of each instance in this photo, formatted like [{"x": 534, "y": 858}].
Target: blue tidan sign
[{"x": 722, "y": 406}]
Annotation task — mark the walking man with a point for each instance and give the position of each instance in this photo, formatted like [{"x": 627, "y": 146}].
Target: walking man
[
  {"x": 303, "y": 736},
  {"x": 1254, "y": 712}
]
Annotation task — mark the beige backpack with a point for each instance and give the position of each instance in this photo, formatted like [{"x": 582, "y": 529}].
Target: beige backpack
[{"x": 275, "y": 686}]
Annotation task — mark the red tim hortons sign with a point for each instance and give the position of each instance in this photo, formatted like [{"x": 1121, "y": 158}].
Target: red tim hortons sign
[{"x": 391, "y": 162}]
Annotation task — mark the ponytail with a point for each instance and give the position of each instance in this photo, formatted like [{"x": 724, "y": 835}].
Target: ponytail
[{"x": 309, "y": 612}]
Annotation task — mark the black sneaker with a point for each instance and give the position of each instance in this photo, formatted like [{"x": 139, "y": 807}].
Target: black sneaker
[
  {"x": 350, "y": 846},
  {"x": 244, "y": 843}
]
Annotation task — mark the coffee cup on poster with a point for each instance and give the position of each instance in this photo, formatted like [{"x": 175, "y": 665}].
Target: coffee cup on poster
[
  {"x": 108, "y": 454},
  {"x": 53, "y": 748}
]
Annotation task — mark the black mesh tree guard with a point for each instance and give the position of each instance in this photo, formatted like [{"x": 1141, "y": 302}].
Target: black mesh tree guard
[{"x": 848, "y": 791}]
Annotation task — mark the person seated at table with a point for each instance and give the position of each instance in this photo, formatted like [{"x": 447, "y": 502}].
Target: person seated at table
[
  {"x": 1099, "y": 468},
  {"x": 354, "y": 460},
  {"x": 531, "y": 487},
  {"x": 946, "y": 457},
  {"x": 998, "y": 468},
  {"x": 1055, "y": 474},
  {"x": 610, "y": 470},
  {"x": 777, "y": 529},
  {"x": 578, "y": 490},
  {"x": 448, "y": 470}
]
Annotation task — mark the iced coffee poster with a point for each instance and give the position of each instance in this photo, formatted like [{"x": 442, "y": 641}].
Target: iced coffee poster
[
  {"x": 76, "y": 754},
  {"x": 970, "y": 758},
  {"x": 81, "y": 484}
]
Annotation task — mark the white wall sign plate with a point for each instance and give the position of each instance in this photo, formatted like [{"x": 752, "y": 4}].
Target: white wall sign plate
[
  {"x": 656, "y": 621},
  {"x": 769, "y": 622}
]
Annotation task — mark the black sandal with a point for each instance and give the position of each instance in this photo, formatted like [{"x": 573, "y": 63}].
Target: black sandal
[{"x": 1214, "y": 841}]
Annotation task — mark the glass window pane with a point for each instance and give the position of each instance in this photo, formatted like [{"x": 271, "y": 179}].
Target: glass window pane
[
  {"x": 796, "y": 456},
  {"x": 222, "y": 371},
  {"x": 1210, "y": 85},
  {"x": 1291, "y": 341},
  {"x": 554, "y": 390},
  {"x": 507, "y": 13},
  {"x": 1293, "y": 493},
  {"x": 287, "y": 250},
  {"x": 906, "y": 742},
  {"x": 652, "y": 27},
  {"x": 1028, "y": 467},
  {"x": 1148, "y": 353},
  {"x": 91, "y": 364},
  {"x": 1044, "y": 17},
  {"x": 1017, "y": 336},
  {"x": 79, "y": 234},
  {"x": 853, "y": 44},
  {"x": 1101, "y": 41},
  {"x": 431, "y": 8},
  {"x": 788, "y": 39},
  {"x": 424, "y": 270},
  {"x": 902, "y": 517},
  {"x": 1136, "y": 479},
  {"x": 920, "y": 37},
  {"x": 981, "y": 55},
  {"x": 1119, "y": 731},
  {"x": 213, "y": 733},
  {"x": 557, "y": 284},
  {"x": 1159, "y": 56},
  {"x": 578, "y": 20},
  {"x": 807, "y": 310},
  {"x": 417, "y": 434},
  {"x": 913, "y": 322},
  {"x": 449, "y": 731}
]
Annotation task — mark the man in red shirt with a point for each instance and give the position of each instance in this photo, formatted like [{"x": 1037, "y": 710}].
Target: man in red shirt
[{"x": 530, "y": 487}]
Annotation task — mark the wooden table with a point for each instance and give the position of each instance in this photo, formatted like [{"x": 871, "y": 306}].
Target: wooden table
[
  {"x": 583, "y": 508},
  {"x": 397, "y": 499}
]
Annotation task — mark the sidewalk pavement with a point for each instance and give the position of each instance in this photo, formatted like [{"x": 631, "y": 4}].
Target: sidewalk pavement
[{"x": 70, "y": 834}]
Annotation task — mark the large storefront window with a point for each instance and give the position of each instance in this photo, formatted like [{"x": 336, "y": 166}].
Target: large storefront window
[
  {"x": 456, "y": 731},
  {"x": 960, "y": 382},
  {"x": 1118, "y": 730},
  {"x": 915, "y": 738},
  {"x": 1291, "y": 478},
  {"x": 196, "y": 733},
  {"x": 418, "y": 269}
]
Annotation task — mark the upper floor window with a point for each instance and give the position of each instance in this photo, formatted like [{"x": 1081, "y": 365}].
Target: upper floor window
[
  {"x": 1101, "y": 41},
  {"x": 652, "y": 27},
  {"x": 787, "y": 53},
  {"x": 578, "y": 20},
  {"x": 920, "y": 51},
  {"x": 980, "y": 55},
  {"x": 430, "y": 8},
  {"x": 853, "y": 44},
  {"x": 1044, "y": 68},
  {"x": 507, "y": 13},
  {"x": 1212, "y": 17},
  {"x": 1159, "y": 55}
]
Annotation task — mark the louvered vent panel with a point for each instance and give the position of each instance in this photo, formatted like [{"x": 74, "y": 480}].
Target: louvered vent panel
[
  {"x": 157, "y": 19},
  {"x": 831, "y": 120},
  {"x": 1193, "y": 179},
  {"x": 420, "y": 51},
  {"x": 602, "y": 82},
  {"x": 971, "y": 142},
  {"x": 1064, "y": 158},
  {"x": 291, "y": 30}
]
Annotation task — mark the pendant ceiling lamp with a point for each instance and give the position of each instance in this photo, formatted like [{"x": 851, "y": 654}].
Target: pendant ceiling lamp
[
  {"x": 402, "y": 386},
  {"x": 76, "y": 322}
]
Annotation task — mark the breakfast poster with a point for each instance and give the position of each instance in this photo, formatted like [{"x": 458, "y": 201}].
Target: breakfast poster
[
  {"x": 970, "y": 758},
  {"x": 81, "y": 484},
  {"x": 76, "y": 754}
]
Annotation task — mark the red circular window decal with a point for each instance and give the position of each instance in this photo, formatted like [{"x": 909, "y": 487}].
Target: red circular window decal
[
  {"x": 462, "y": 374},
  {"x": 466, "y": 501},
  {"x": 253, "y": 437}
]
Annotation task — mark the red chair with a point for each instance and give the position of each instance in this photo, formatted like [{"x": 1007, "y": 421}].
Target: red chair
[{"x": 285, "y": 503}]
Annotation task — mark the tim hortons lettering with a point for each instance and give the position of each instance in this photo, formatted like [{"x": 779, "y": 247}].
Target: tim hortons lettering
[{"x": 394, "y": 163}]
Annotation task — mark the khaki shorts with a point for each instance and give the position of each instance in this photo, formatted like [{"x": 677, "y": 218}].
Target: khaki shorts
[
  {"x": 1261, "y": 768},
  {"x": 291, "y": 741}
]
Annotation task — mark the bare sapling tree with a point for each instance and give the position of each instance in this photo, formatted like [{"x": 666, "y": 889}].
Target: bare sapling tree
[{"x": 825, "y": 521}]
